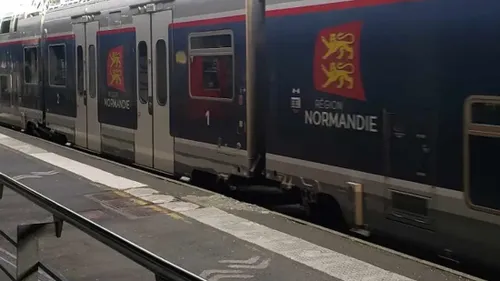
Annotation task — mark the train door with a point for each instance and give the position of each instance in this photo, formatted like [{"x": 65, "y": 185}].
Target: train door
[
  {"x": 481, "y": 153},
  {"x": 154, "y": 146},
  {"x": 87, "y": 127},
  {"x": 410, "y": 139}
]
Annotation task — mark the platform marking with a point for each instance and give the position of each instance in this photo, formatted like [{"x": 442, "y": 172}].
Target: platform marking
[
  {"x": 251, "y": 263},
  {"x": 35, "y": 175},
  {"x": 86, "y": 171},
  {"x": 322, "y": 259}
]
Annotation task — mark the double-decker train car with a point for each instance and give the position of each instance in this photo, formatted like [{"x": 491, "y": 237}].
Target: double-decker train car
[{"x": 388, "y": 110}]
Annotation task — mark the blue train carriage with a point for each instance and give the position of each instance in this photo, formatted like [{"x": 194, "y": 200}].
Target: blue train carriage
[
  {"x": 70, "y": 46},
  {"x": 19, "y": 66},
  {"x": 392, "y": 108},
  {"x": 208, "y": 96},
  {"x": 133, "y": 88}
]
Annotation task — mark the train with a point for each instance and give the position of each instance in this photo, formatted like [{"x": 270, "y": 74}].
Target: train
[{"x": 388, "y": 110}]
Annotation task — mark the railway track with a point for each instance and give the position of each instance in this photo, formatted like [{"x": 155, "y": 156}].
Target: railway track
[{"x": 291, "y": 208}]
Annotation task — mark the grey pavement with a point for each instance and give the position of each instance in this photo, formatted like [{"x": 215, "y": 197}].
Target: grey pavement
[{"x": 180, "y": 239}]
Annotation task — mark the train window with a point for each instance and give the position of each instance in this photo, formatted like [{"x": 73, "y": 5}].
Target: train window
[
  {"x": 3, "y": 83},
  {"x": 31, "y": 65},
  {"x": 211, "y": 65},
  {"x": 4, "y": 90},
  {"x": 142, "y": 71},
  {"x": 57, "y": 65},
  {"x": 481, "y": 142},
  {"x": 211, "y": 41},
  {"x": 485, "y": 113},
  {"x": 161, "y": 72},
  {"x": 79, "y": 65},
  {"x": 92, "y": 72},
  {"x": 5, "y": 27}
]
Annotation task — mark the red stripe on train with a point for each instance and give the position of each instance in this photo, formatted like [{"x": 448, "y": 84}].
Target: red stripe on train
[
  {"x": 116, "y": 31},
  {"x": 294, "y": 11}
]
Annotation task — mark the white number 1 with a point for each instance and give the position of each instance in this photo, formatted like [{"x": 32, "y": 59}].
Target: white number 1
[{"x": 207, "y": 114}]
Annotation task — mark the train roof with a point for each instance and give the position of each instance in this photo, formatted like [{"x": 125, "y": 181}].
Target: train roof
[{"x": 29, "y": 20}]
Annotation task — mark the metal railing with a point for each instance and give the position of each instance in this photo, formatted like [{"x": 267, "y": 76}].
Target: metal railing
[{"x": 27, "y": 260}]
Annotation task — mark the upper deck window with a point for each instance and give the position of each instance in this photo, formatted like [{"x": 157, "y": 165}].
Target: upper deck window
[
  {"x": 5, "y": 27},
  {"x": 211, "y": 65}
]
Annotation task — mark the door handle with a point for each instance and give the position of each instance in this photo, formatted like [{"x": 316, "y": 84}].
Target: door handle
[
  {"x": 241, "y": 127},
  {"x": 84, "y": 95},
  {"x": 150, "y": 105}
]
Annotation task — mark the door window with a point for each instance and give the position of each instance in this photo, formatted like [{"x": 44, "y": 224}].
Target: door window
[
  {"x": 92, "y": 72},
  {"x": 79, "y": 65},
  {"x": 161, "y": 72},
  {"x": 142, "y": 71}
]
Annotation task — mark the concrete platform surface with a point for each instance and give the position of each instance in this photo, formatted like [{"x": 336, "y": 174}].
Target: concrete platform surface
[{"x": 213, "y": 236}]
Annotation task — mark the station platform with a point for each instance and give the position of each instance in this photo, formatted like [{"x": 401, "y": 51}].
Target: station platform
[{"x": 211, "y": 235}]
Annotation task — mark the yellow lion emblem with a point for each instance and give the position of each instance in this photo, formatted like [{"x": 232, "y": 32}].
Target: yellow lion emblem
[
  {"x": 337, "y": 73},
  {"x": 338, "y": 43},
  {"x": 116, "y": 77},
  {"x": 115, "y": 59}
]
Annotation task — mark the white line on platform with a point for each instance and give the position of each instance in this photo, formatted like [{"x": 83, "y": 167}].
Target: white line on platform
[
  {"x": 322, "y": 259},
  {"x": 86, "y": 171}
]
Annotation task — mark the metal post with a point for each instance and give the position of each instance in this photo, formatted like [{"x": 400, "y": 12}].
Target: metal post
[
  {"x": 358, "y": 203},
  {"x": 27, "y": 253},
  {"x": 1, "y": 190},
  {"x": 255, "y": 24},
  {"x": 27, "y": 249}
]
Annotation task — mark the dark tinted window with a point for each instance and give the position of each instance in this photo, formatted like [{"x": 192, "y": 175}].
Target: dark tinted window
[
  {"x": 211, "y": 41},
  {"x": 79, "y": 63},
  {"x": 31, "y": 65},
  {"x": 142, "y": 71},
  {"x": 486, "y": 114},
  {"x": 92, "y": 72},
  {"x": 161, "y": 72},
  {"x": 57, "y": 65}
]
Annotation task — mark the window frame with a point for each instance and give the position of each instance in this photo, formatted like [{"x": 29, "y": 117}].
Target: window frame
[
  {"x": 36, "y": 47},
  {"x": 49, "y": 65},
  {"x": 223, "y": 51},
  {"x": 475, "y": 129}
]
